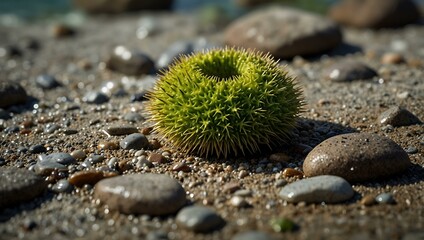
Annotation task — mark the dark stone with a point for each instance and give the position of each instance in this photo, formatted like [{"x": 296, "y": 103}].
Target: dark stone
[
  {"x": 11, "y": 93},
  {"x": 119, "y": 6},
  {"x": 129, "y": 62},
  {"x": 46, "y": 81}
]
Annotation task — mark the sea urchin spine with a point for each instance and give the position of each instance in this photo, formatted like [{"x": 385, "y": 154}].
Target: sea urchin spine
[{"x": 225, "y": 101}]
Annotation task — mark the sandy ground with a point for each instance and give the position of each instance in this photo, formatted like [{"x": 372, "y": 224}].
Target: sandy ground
[{"x": 331, "y": 108}]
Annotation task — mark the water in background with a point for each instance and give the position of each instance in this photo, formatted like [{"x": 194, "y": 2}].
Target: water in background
[{"x": 35, "y": 10}]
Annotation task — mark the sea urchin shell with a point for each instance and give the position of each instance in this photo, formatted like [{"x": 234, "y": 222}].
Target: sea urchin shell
[{"x": 225, "y": 101}]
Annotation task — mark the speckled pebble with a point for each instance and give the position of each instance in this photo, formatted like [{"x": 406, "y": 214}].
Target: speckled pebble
[
  {"x": 152, "y": 194},
  {"x": 397, "y": 116},
  {"x": 46, "y": 81},
  {"x": 135, "y": 141},
  {"x": 326, "y": 188},
  {"x": 117, "y": 130},
  {"x": 385, "y": 198},
  {"x": 356, "y": 157},
  {"x": 199, "y": 219},
  {"x": 133, "y": 117},
  {"x": 348, "y": 71},
  {"x": 252, "y": 235},
  {"x": 19, "y": 185}
]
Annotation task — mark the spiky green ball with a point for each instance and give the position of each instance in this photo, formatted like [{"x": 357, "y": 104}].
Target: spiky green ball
[{"x": 225, "y": 101}]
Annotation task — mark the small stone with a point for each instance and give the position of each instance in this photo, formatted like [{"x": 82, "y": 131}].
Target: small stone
[
  {"x": 157, "y": 157},
  {"x": 231, "y": 187},
  {"x": 118, "y": 130},
  {"x": 62, "y": 186},
  {"x": 133, "y": 117},
  {"x": 282, "y": 225},
  {"x": 10, "y": 51},
  {"x": 130, "y": 62},
  {"x": 181, "y": 167},
  {"x": 46, "y": 167},
  {"x": 95, "y": 98},
  {"x": 62, "y": 158},
  {"x": 135, "y": 141},
  {"x": 151, "y": 194},
  {"x": 279, "y": 157},
  {"x": 37, "y": 149},
  {"x": 411, "y": 150},
  {"x": 46, "y": 82},
  {"x": 61, "y": 31},
  {"x": 239, "y": 202},
  {"x": 283, "y": 32},
  {"x": 252, "y": 235},
  {"x": 397, "y": 116},
  {"x": 51, "y": 128},
  {"x": 199, "y": 219},
  {"x": 95, "y": 158},
  {"x": 138, "y": 97},
  {"x": 291, "y": 172},
  {"x": 392, "y": 58},
  {"x": 124, "y": 165},
  {"x": 281, "y": 183},
  {"x": 11, "y": 93},
  {"x": 375, "y": 14},
  {"x": 348, "y": 71},
  {"x": 356, "y": 157},
  {"x": 326, "y": 188},
  {"x": 108, "y": 145},
  {"x": 117, "y": 6},
  {"x": 385, "y": 198},
  {"x": 368, "y": 200},
  {"x": 19, "y": 185},
  {"x": 78, "y": 154},
  {"x": 91, "y": 177},
  {"x": 243, "y": 193}
]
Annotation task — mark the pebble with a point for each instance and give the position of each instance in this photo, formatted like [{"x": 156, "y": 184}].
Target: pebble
[
  {"x": 78, "y": 154},
  {"x": 62, "y": 158},
  {"x": 283, "y": 32},
  {"x": 157, "y": 157},
  {"x": 94, "y": 97},
  {"x": 12, "y": 129},
  {"x": 252, "y": 235},
  {"x": 151, "y": 194},
  {"x": 11, "y": 93},
  {"x": 119, "y": 6},
  {"x": 279, "y": 157},
  {"x": 45, "y": 168},
  {"x": 375, "y": 14},
  {"x": 95, "y": 158},
  {"x": 242, "y": 174},
  {"x": 243, "y": 193},
  {"x": 46, "y": 82},
  {"x": 280, "y": 183},
  {"x": 397, "y": 116},
  {"x": 133, "y": 117},
  {"x": 61, "y": 31},
  {"x": 135, "y": 141},
  {"x": 118, "y": 130},
  {"x": 368, "y": 200},
  {"x": 62, "y": 186},
  {"x": 385, "y": 198},
  {"x": 199, "y": 219},
  {"x": 90, "y": 177},
  {"x": 238, "y": 202},
  {"x": 108, "y": 145},
  {"x": 356, "y": 157},
  {"x": 138, "y": 97},
  {"x": 326, "y": 188},
  {"x": 181, "y": 167},
  {"x": 411, "y": 150},
  {"x": 347, "y": 71},
  {"x": 51, "y": 128},
  {"x": 392, "y": 58},
  {"x": 38, "y": 148},
  {"x": 230, "y": 187},
  {"x": 291, "y": 172},
  {"x": 130, "y": 62},
  {"x": 19, "y": 185}
]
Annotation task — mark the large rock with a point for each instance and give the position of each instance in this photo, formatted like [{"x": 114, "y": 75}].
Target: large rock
[
  {"x": 118, "y": 6},
  {"x": 375, "y": 13},
  {"x": 284, "y": 32},
  {"x": 11, "y": 93},
  {"x": 356, "y": 157}
]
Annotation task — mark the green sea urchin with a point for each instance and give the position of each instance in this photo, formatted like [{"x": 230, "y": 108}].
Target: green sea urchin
[{"x": 225, "y": 101}]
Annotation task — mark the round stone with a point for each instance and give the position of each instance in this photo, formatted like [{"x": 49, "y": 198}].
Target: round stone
[
  {"x": 397, "y": 116},
  {"x": 385, "y": 198},
  {"x": 117, "y": 130},
  {"x": 134, "y": 141},
  {"x": 252, "y": 235},
  {"x": 348, "y": 71},
  {"x": 46, "y": 81},
  {"x": 152, "y": 194},
  {"x": 95, "y": 98},
  {"x": 62, "y": 186},
  {"x": 199, "y": 219},
  {"x": 133, "y": 117},
  {"x": 356, "y": 157},
  {"x": 19, "y": 185},
  {"x": 284, "y": 32},
  {"x": 326, "y": 188},
  {"x": 130, "y": 62},
  {"x": 11, "y": 93}
]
